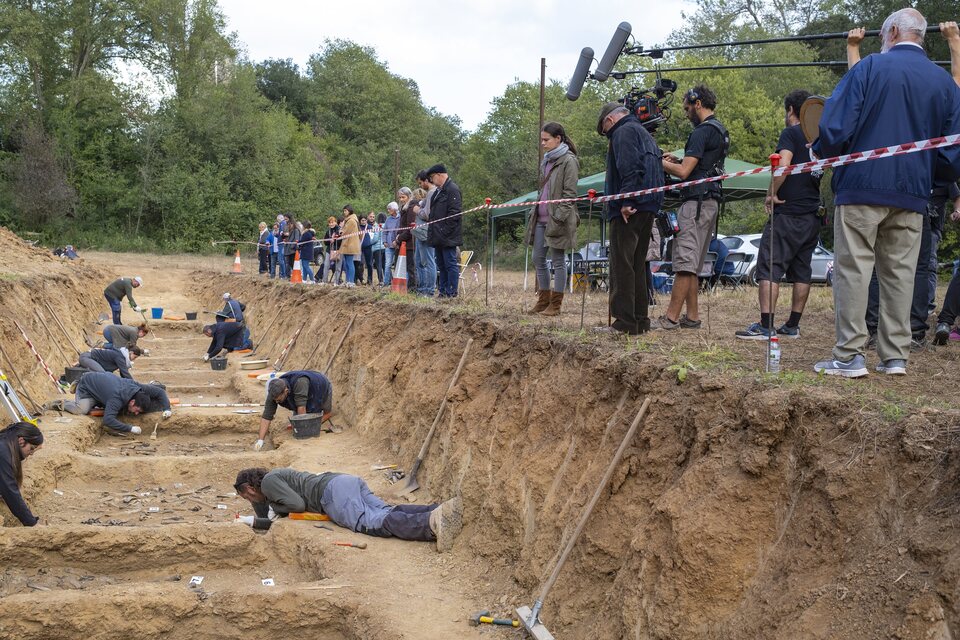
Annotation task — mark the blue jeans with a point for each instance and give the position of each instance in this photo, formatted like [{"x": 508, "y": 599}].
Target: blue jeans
[
  {"x": 350, "y": 503},
  {"x": 307, "y": 271},
  {"x": 448, "y": 271},
  {"x": 388, "y": 254},
  {"x": 426, "y": 263},
  {"x": 282, "y": 263},
  {"x": 348, "y": 268},
  {"x": 106, "y": 336},
  {"x": 114, "y": 307},
  {"x": 273, "y": 264},
  {"x": 367, "y": 253}
]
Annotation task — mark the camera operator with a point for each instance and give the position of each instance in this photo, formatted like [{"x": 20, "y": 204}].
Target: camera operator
[
  {"x": 704, "y": 154},
  {"x": 632, "y": 164}
]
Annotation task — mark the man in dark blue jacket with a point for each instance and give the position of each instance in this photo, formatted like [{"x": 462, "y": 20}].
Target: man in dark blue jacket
[
  {"x": 885, "y": 100},
  {"x": 225, "y": 335},
  {"x": 299, "y": 391},
  {"x": 445, "y": 231},
  {"x": 633, "y": 163}
]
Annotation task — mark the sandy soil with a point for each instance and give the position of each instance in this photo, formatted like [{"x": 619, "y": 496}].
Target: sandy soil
[{"x": 747, "y": 507}]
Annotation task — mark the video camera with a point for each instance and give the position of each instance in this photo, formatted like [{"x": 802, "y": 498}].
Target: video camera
[{"x": 651, "y": 106}]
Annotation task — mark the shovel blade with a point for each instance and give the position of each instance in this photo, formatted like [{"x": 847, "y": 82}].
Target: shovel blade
[
  {"x": 536, "y": 630},
  {"x": 409, "y": 486}
]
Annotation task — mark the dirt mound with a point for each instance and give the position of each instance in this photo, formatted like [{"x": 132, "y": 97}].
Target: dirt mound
[{"x": 744, "y": 509}]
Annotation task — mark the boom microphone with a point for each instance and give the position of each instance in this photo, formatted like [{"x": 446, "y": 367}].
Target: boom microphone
[
  {"x": 613, "y": 51},
  {"x": 580, "y": 74}
]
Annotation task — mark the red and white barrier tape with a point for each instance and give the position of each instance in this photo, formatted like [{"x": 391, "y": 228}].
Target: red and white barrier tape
[{"x": 805, "y": 167}]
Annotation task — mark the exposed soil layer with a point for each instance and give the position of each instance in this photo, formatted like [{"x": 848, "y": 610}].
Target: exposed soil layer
[{"x": 745, "y": 507}]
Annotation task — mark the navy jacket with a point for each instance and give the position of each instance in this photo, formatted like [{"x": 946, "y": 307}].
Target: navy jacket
[
  {"x": 446, "y": 206},
  {"x": 111, "y": 360},
  {"x": 232, "y": 309},
  {"x": 10, "y": 490},
  {"x": 226, "y": 335},
  {"x": 633, "y": 163},
  {"x": 885, "y": 100},
  {"x": 320, "y": 390},
  {"x": 113, "y": 394}
]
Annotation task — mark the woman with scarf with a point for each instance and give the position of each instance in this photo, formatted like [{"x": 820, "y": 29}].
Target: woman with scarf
[
  {"x": 553, "y": 227},
  {"x": 17, "y": 443}
]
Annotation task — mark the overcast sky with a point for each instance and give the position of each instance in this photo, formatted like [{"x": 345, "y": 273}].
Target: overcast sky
[{"x": 461, "y": 54}]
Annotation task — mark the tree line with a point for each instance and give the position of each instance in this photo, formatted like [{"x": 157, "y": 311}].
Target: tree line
[{"x": 138, "y": 125}]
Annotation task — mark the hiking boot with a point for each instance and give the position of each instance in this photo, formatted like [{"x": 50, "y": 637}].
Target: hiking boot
[
  {"x": 687, "y": 323},
  {"x": 942, "y": 334},
  {"x": 446, "y": 522},
  {"x": 54, "y": 405},
  {"x": 893, "y": 367},
  {"x": 855, "y": 368},
  {"x": 663, "y": 322},
  {"x": 756, "y": 331},
  {"x": 556, "y": 299},
  {"x": 543, "y": 301},
  {"x": 871, "y": 342},
  {"x": 918, "y": 343},
  {"x": 788, "y": 331}
]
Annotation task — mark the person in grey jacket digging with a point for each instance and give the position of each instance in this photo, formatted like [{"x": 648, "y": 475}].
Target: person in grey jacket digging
[
  {"x": 349, "y": 502},
  {"x": 114, "y": 394}
]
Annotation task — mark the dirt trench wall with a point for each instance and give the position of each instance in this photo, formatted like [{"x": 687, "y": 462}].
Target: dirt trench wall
[
  {"x": 740, "y": 511},
  {"x": 30, "y": 279}
]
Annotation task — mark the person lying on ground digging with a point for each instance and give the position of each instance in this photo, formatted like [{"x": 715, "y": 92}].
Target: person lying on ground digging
[
  {"x": 225, "y": 336},
  {"x": 111, "y": 360},
  {"x": 114, "y": 394},
  {"x": 117, "y": 290},
  {"x": 301, "y": 392},
  {"x": 120, "y": 336},
  {"x": 17, "y": 443},
  {"x": 349, "y": 502}
]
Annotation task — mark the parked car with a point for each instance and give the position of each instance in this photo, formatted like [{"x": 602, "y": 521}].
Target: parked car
[{"x": 749, "y": 244}]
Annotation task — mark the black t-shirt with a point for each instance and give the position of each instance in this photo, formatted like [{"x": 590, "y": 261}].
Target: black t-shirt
[
  {"x": 704, "y": 141},
  {"x": 800, "y": 192}
]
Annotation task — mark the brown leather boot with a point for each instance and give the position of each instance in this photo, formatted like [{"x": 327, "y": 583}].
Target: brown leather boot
[
  {"x": 543, "y": 301},
  {"x": 556, "y": 299}
]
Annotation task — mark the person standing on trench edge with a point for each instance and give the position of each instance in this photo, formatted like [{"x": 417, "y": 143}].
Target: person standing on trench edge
[
  {"x": 349, "y": 502},
  {"x": 117, "y": 290},
  {"x": 633, "y": 163},
  {"x": 18, "y": 442},
  {"x": 299, "y": 391}
]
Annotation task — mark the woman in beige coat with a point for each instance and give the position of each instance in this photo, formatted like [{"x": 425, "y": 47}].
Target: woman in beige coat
[
  {"x": 553, "y": 227},
  {"x": 350, "y": 246}
]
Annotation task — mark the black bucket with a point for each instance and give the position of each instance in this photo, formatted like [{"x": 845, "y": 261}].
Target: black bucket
[
  {"x": 191, "y": 315},
  {"x": 72, "y": 374},
  {"x": 306, "y": 425},
  {"x": 218, "y": 364}
]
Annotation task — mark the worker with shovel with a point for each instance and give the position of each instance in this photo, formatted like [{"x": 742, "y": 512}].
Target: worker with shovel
[
  {"x": 225, "y": 336},
  {"x": 117, "y": 290},
  {"x": 299, "y": 391},
  {"x": 96, "y": 389},
  {"x": 349, "y": 502}
]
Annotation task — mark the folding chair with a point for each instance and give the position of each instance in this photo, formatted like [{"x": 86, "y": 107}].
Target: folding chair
[
  {"x": 465, "y": 258},
  {"x": 706, "y": 271},
  {"x": 740, "y": 262}
]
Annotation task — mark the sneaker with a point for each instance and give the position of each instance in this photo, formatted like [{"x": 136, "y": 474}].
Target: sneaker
[
  {"x": 855, "y": 368},
  {"x": 663, "y": 322},
  {"x": 788, "y": 331},
  {"x": 54, "y": 405},
  {"x": 73, "y": 387},
  {"x": 893, "y": 367},
  {"x": 756, "y": 331},
  {"x": 687, "y": 323},
  {"x": 942, "y": 334},
  {"x": 446, "y": 522}
]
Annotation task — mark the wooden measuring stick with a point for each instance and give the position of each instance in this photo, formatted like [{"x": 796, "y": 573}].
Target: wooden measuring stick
[
  {"x": 56, "y": 319},
  {"x": 326, "y": 369},
  {"x": 46, "y": 328}
]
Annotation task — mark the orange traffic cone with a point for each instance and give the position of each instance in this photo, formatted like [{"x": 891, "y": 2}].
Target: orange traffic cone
[
  {"x": 296, "y": 275},
  {"x": 398, "y": 283},
  {"x": 237, "y": 267}
]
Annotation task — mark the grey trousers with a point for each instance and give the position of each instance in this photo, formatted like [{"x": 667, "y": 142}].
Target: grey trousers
[
  {"x": 349, "y": 502},
  {"x": 540, "y": 250},
  {"x": 886, "y": 238},
  {"x": 89, "y": 363},
  {"x": 79, "y": 406}
]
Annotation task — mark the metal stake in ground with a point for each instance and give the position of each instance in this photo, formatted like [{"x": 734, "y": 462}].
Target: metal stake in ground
[
  {"x": 39, "y": 359},
  {"x": 774, "y": 162},
  {"x": 56, "y": 319},
  {"x": 411, "y": 484},
  {"x": 530, "y": 618},
  {"x": 585, "y": 283},
  {"x": 343, "y": 337}
]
